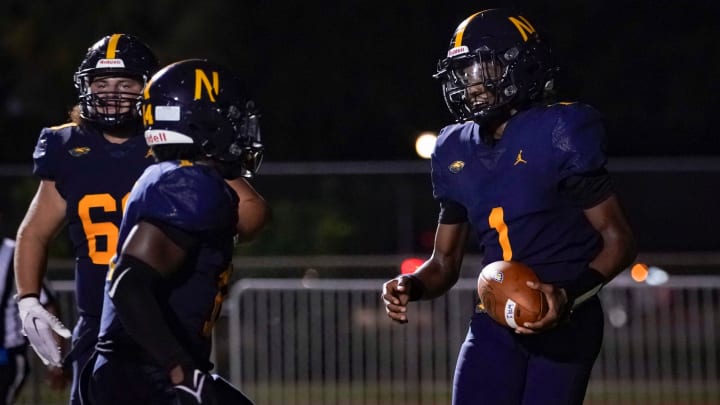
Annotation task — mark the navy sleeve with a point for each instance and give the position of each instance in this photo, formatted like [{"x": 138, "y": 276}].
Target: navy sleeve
[
  {"x": 45, "y": 154},
  {"x": 579, "y": 140},
  {"x": 438, "y": 169},
  {"x": 190, "y": 200}
]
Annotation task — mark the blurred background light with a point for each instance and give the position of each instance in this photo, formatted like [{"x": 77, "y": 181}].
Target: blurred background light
[{"x": 425, "y": 144}]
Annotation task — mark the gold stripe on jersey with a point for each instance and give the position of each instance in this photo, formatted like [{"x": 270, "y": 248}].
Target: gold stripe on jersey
[{"x": 61, "y": 126}]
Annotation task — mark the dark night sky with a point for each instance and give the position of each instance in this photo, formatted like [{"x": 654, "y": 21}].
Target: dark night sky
[{"x": 352, "y": 80}]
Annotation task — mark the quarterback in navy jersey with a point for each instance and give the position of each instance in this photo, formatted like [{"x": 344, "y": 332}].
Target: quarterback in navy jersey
[
  {"x": 87, "y": 169},
  {"x": 529, "y": 178},
  {"x": 173, "y": 262}
]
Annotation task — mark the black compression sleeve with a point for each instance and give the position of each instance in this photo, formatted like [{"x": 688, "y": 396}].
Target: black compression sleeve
[
  {"x": 132, "y": 292},
  {"x": 452, "y": 212},
  {"x": 587, "y": 189}
]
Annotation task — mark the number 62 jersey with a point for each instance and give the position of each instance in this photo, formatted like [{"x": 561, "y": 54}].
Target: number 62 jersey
[{"x": 95, "y": 177}]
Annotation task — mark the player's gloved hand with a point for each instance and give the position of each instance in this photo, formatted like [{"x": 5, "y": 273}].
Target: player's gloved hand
[
  {"x": 38, "y": 325},
  {"x": 196, "y": 388},
  {"x": 230, "y": 170},
  {"x": 240, "y": 161}
]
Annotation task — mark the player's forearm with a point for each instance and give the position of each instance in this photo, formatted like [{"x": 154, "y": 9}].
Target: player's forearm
[
  {"x": 253, "y": 215},
  {"x": 132, "y": 293},
  {"x": 253, "y": 212},
  {"x": 618, "y": 252},
  {"x": 438, "y": 275},
  {"x": 30, "y": 263},
  {"x": 43, "y": 220}
]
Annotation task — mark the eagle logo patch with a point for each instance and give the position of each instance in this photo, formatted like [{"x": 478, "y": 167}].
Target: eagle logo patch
[
  {"x": 456, "y": 166},
  {"x": 79, "y": 151}
]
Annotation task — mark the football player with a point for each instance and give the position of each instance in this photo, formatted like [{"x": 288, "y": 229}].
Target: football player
[
  {"x": 86, "y": 171},
  {"x": 529, "y": 177},
  {"x": 171, "y": 272}
]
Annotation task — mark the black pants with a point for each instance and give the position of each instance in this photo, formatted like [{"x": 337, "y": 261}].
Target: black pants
[{"x": 119, "y": 381}]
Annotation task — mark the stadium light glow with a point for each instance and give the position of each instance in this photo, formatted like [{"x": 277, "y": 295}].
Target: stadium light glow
[
  {"x": 657, "y": 276},
  {"x": 409, "y": 265},
  {"x": 639, "y": 272},
  {"x": 425, "y": 144}
]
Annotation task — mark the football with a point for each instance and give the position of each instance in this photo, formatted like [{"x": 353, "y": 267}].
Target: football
[{"x": 505, "y": 296}]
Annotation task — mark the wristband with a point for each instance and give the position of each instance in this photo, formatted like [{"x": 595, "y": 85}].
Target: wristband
[
  {"x": 28, "y": 295},
  {"x": 417, "y": 287},
  {"x": 586, "y": 285}
]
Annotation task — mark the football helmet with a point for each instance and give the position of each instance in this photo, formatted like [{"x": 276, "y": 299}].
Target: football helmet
[
  {"x": 496, "y": 62},
  {"x": 199, "y": 102},
  {"x": 116, "y": 56}
]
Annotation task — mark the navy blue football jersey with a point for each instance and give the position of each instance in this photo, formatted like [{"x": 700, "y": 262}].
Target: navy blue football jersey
[
  {"x": 94, "y": 177},
  {"x": 197, "y": 200},
  {"x": 511, "y": 189}
]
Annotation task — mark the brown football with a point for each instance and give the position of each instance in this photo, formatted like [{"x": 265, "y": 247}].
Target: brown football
[{"x": 505, "y": 295}]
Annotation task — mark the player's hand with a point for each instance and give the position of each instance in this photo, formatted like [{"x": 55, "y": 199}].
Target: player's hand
[
  {"x": 195, "y": 388},
  {"x": 245, "y": 164},
  {"x": 396, "y": 295},
  {"x": 38, "y": 325},
  {"x": 558, "y": 307},
  {"x": 230, "y": 170}
]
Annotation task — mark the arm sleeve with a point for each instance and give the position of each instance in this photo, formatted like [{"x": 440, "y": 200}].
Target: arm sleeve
[
  {"x": 190, "y": 201},
  {"x": 132, "y": 291},
  {"x": 452, "y": 212},
  {"x": 588, "y": 189},
  {"x": 438, "y": 173},
  {"x": 580, "y": 141},
  {"x": 44, "y": 156}
]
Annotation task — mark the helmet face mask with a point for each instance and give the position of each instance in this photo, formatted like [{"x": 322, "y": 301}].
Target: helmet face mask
[
  {"x": 204, "y": 104},
  {"x": 109, "y": 81},
  {"x": 109, "y": 107},
  {"x": 496, "y": 64},
  {"x": 473, "y": 83}
]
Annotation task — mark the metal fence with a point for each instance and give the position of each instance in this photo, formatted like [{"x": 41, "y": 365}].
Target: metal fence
[
  {"x": 321, "y": 341},
  {"x": 296, "y": 342}
]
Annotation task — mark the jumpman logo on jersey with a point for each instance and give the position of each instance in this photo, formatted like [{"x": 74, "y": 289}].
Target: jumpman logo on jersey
[{"x": 519, "y": 159}]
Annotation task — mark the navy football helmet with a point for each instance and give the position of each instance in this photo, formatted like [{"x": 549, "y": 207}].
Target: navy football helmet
[
  {"x": 501, "y": 51},
  {"x": 116, "y": 56},
  {"x": 202, "y": 103}
]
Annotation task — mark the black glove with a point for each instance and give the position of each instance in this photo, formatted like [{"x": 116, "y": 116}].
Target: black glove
[
  {"x": 195, "y": 389},
  {"x": 230, "y": 170}
]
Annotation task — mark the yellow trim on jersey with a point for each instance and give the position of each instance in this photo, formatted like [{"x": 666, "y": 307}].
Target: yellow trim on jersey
[
  {"x": 112, "y": 46},
  {"x": 460, "y": 30},
  {"x": 61, "y": 126}
]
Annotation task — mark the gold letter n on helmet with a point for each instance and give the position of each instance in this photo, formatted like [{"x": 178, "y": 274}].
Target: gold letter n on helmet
[
  {"x": 203, "y": 82},
  {"x": 523, "y": 25}
]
